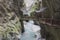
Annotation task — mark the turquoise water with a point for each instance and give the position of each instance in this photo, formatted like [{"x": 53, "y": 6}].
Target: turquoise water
[{"x": 28, "y": 34}]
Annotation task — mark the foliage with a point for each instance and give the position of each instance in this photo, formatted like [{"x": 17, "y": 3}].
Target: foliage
[
  {"x": 10, "y": 19},
  {"x": 35, "y": 6}
]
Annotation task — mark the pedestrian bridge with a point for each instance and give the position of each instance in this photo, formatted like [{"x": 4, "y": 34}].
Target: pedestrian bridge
[{"x": 47, "y": 21}]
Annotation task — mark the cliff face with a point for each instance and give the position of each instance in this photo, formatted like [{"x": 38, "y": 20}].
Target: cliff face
[
  {"x": 53, "y": 11},
  {"x": 53, "y": 8}
]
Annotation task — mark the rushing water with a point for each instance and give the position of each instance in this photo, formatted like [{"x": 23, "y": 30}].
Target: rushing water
[{"x": 32, "y": 31}]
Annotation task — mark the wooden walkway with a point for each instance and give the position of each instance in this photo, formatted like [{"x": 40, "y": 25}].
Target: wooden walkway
[{"x": 42, "y": 20}]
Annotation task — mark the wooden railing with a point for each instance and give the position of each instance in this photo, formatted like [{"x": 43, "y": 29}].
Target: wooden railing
[{"x": 48, "y": 21}]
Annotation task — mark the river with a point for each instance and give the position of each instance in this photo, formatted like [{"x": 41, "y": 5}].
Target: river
[{"x": 32, "y": 31}]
